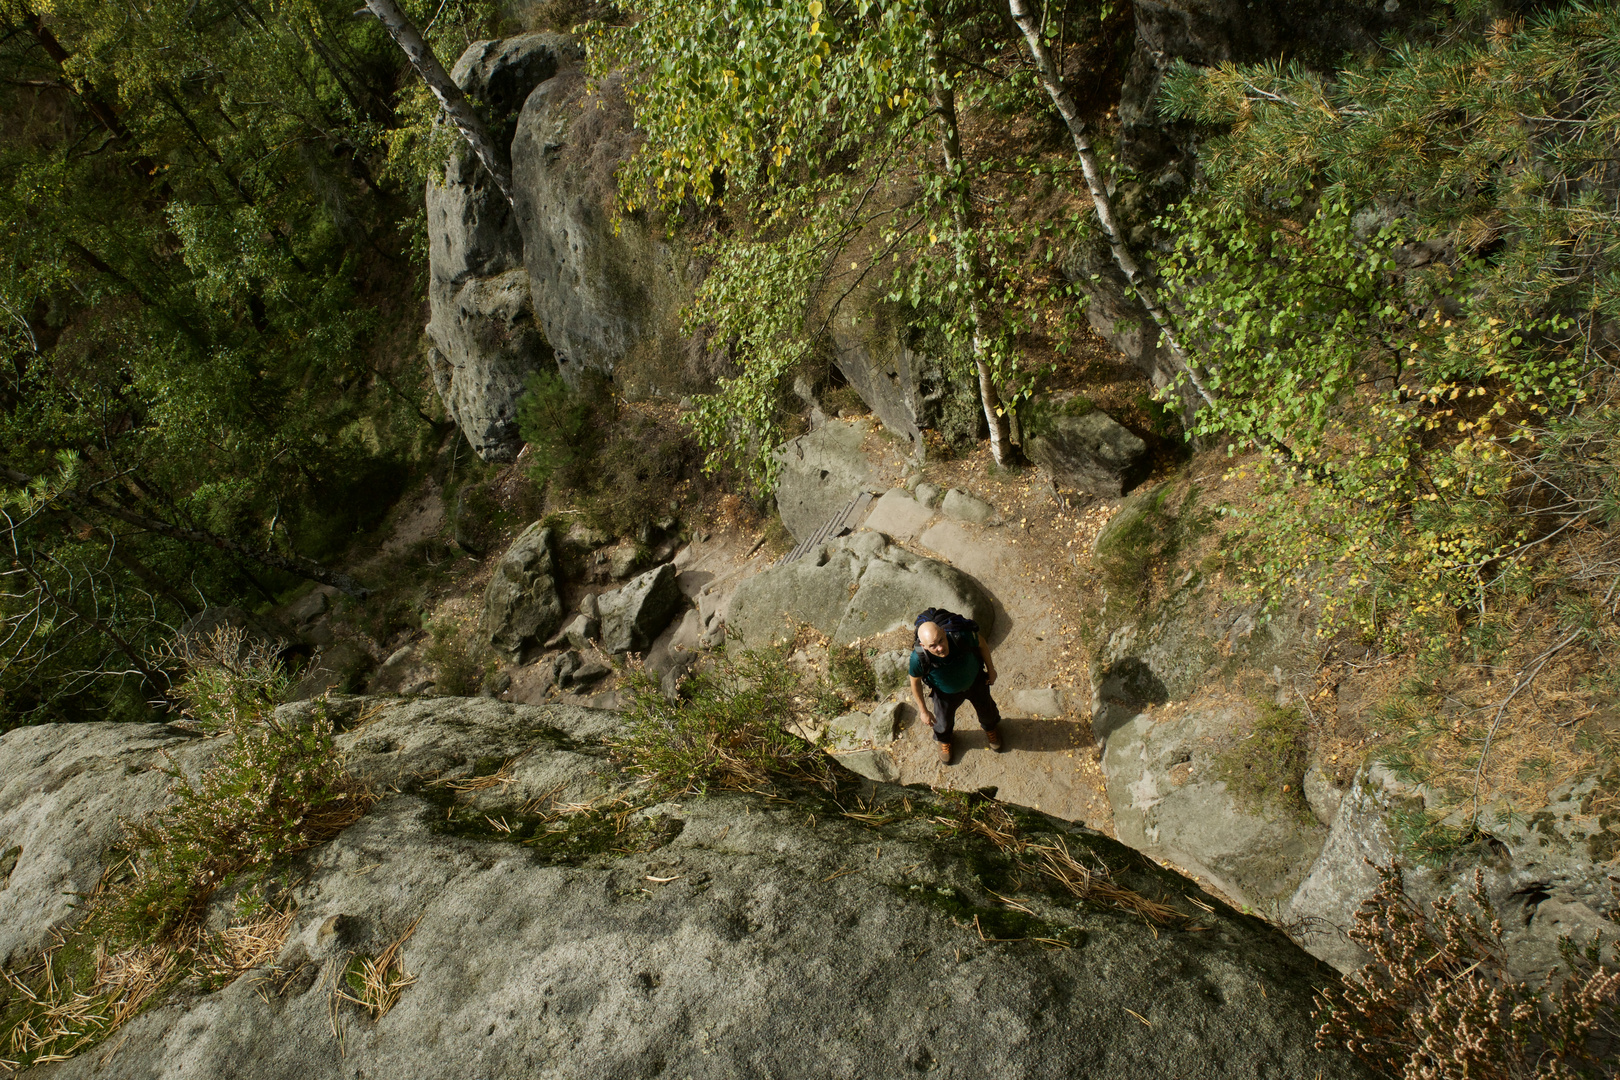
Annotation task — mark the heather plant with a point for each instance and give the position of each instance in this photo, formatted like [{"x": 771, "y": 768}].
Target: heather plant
[
  {"x": 1437, "y": 1002},
  {"x": 727, "y": 727},
  {"x": 231, "y": 675},
  {"x": 278, "y": 788}
]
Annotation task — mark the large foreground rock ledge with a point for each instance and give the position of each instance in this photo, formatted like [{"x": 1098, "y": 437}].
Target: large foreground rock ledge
[{"x": 729, "y": 936}]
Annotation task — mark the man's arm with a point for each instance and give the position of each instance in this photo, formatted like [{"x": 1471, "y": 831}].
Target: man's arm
[
  {"x": 989, "y": 664},
  {"x": 921, "y": 699}
]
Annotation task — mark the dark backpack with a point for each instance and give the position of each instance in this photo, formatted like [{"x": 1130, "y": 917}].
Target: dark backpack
[{"x": 948, "y": 621}]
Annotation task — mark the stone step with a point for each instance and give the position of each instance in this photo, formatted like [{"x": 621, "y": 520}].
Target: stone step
[{"x": 840, "y": 523}]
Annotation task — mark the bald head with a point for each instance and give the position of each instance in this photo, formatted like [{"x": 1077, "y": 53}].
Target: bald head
[{"x": 933, "y": 639}]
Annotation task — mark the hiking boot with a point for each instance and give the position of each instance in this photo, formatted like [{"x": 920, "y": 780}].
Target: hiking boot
[
  {"x": 944, "y": 753},
  {"x": 994, "y": 739}
]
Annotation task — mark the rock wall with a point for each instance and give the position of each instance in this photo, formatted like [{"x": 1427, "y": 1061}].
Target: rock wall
[
  {"x": 733, "y": 935},
  {"x": 607, "y": 287},
  {"x": 484, "y": 341}
]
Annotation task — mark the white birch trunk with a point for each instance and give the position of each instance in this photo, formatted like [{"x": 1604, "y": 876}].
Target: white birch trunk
[
  {"x": 455, "y": 103},
  {"x": 1030, "y": 25}
]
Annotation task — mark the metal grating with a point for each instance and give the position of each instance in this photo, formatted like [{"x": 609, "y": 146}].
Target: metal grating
[{"x": 840, "y": 523}]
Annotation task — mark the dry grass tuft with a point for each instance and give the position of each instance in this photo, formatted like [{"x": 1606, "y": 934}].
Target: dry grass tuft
[
  {"x": 128, "y": 978},
  {"x": 62, "y": 1020},
  {"x": 1055, "y": 861},
  {"x": 378, "y": 981},
  {"x": 1095, "y": 884},
  {"x": 469, "y": 784},
  {"x": 245, "y": 946}
]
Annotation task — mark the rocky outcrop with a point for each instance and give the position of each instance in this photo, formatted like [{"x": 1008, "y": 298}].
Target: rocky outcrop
[
  {"x": 521, "y": 605},
  {"x": 607, "y": 287},
  {"x": 484, "y": 340},
  {"x": 907, "y": 389},
  {"x": 1546, "y": 870},
  {"x": 634, "y": 615},
  {"x": 736, "y": 932},
  {"x": 1547, "y": 873},
  {"x": 852, "y": 588},
  {"x": 1168, "y": 800},
  {"x": 820, "y": 473},
  {"x": 1091, "y": 453},
  {"x": 64, "y": 788}
]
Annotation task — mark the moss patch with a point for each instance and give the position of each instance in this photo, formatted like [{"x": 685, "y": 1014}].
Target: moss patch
[
  {"x": 1137, "y": 552},
  {"x": 1265, "y": 770}
]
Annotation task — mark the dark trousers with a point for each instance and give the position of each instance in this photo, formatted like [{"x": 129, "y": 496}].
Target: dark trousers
[{"x": 944, "y": 707}]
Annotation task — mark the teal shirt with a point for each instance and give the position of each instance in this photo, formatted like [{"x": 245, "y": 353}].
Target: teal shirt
[{"x": 954, "y": 673}]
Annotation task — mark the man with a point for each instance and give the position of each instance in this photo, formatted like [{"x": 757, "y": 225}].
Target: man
[{"x": 955, "y": 666}]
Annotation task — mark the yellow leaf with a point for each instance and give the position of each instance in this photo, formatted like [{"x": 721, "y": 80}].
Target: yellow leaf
[{"x": 815, "y": 10}]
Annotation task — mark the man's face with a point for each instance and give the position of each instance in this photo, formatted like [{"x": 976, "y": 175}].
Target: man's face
[{"x": 933, "y": 639}]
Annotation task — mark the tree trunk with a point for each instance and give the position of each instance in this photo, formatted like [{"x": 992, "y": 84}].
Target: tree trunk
[
  {"x": 1145, "y": 291},
  {"x": 968, "y": 267},
  {"x": 456, "y": 105}
]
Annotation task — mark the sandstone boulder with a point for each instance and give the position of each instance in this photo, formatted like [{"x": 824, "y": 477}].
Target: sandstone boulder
[
  {"x": 1091, "y": 453},
  {"x": 634, "y": 615},
  {"x": 521, "y": 604},
  {"x": 873, "y": 763},
  {"x": 1547, "y": 873},
  {"x": 898, "y": 515},
  {"x": 1169, "y": 802},
  {"x": 891, "y": 670},
  {"x": 964, "y": 507},
  {"x": 821, "y": 472},
  {"x": 853, "y": 587}
]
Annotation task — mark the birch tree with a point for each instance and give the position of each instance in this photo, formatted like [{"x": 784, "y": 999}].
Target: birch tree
[{"x": 455, "y": 104}]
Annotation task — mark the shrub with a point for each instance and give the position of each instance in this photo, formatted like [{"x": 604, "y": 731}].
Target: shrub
[
  {"x": 852, "y": 672},
  {"x": 1266, "y": 769},
  {"x": 1436, "y": 1001},
  {"x": 619, "y": 466},
  {"x": 278, "y": 789},
  {"x": 727, "y": 728},
  {"x": 457, "y": 668},
  {"x": 231, "y": 676}
]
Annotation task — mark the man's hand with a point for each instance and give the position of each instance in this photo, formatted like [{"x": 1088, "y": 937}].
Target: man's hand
[{"x": 989, "y": 674}]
